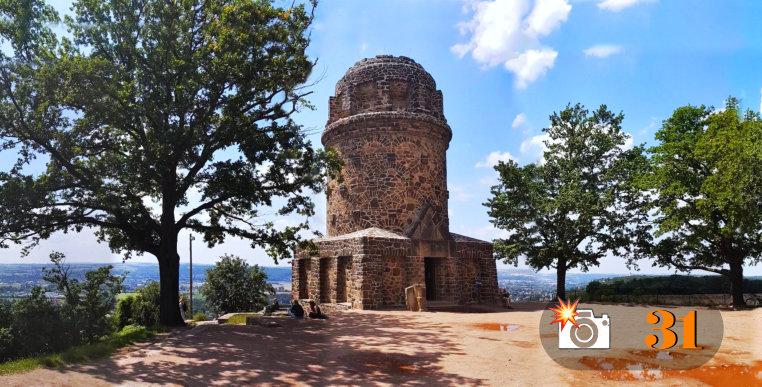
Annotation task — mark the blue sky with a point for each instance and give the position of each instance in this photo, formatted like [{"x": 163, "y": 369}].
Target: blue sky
[{"x": 504, "y": 66}]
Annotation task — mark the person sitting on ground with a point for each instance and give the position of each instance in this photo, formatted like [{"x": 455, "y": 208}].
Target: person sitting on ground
[
  {"x": 315, "y": 311},
  {"x": 296, "y": 310}
]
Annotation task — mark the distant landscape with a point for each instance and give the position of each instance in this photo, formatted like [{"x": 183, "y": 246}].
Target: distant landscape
[
  {"x": 524, "y": 284},
  {"x": 17, "y": 279}
]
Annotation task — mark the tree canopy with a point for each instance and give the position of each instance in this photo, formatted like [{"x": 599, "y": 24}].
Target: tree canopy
[
  {"x": 705, "y": 182},
  {"x": 234, "y": 286},
  {"x": 574, "y": 206},
  {"x": 185, "y": 103}
]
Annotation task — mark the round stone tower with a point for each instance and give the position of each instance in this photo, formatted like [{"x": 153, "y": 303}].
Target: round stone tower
[{"x": 386, "y": 122}]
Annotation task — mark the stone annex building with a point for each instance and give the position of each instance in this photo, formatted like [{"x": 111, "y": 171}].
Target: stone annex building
[{"x": 387, "y": 220}]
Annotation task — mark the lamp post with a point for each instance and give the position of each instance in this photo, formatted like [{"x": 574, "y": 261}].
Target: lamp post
[{"x": 190, "y": 248}]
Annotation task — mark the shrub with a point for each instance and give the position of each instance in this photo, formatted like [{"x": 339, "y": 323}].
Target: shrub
[
  {"x": 145, "y": 308},
  {"x": 6, "y": 344},
  {"x": 234, "y": 286},
  {"x": 200, "y": 317},
  {"x": 36, "y": 326},
  {"x": 85, "y": 313},
  {"x": 124, "y": 311}
]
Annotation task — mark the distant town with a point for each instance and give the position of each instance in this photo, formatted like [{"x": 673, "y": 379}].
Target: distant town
[{"x": 16, "y": 280}]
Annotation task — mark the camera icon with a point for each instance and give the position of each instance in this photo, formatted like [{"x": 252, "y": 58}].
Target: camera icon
[{"x": 593, "y": 332}]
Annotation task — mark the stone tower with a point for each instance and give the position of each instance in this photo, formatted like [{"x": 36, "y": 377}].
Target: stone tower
[
  {"x": 386, "y": 121},
  {"x": 387, "y": 220}
]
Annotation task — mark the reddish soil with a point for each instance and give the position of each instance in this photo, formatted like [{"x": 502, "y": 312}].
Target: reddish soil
[{"x": 389, "y": 348}]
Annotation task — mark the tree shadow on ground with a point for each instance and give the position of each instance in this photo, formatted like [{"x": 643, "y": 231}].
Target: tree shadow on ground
[{"x": 348, "y": 349}]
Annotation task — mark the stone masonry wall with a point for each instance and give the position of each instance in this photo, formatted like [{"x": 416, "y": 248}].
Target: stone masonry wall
[{"x": 386, "y": 179}]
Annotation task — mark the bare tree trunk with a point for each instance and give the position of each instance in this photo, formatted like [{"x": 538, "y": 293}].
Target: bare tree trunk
[
  {"x": 169, "y": 302},
  {"x": 169, "y": 265},
  {"x": 736, "y": 283}
]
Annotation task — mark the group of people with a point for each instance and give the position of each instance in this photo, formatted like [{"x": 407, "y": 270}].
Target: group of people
[{"x": 297, "y": 311}]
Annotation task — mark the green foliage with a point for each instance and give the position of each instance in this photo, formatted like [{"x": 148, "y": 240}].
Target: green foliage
[
  {"x": 148, "y": 100},
  {"x": 573, "y": 208},
  {"x": 666, "y": 285},
  {"x": 234, "y": 286},
  {"x": 124, "y": 311},
  {"x": 145, "y": 308},
  {"x": 200, "y": 317},
  {"x": 36, "y": 326},
  {"x": 127, "y": 336},
  {"x": 85, "y": 313},
  {"x": 6, "y": 316},
  {"x": 706, "y": 183}
]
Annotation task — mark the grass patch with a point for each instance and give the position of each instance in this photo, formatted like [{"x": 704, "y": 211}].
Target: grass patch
[
  {"x": 241, "y": 318},
  {"x": 129, "y": 335}
]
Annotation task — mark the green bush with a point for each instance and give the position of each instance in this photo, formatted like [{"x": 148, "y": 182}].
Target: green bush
[
  {"x": 234, "y": 286},
  {"x": 36, "y": 326},
  {"x": 86, "y": 311},
  {"x": 145, "y": 307},
  {"x": 200, "y": 317},
  {"x": 124, "y": 311}
]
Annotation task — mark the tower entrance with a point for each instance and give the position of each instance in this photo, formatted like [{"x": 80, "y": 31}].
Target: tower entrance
[{"x": 430, "y": 274}]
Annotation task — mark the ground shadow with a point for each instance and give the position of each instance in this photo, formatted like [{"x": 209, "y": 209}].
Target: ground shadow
[{"x": 348, "y": 349}]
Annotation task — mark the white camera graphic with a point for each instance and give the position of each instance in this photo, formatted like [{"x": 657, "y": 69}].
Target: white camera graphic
[{"x": 593, "y": 332}]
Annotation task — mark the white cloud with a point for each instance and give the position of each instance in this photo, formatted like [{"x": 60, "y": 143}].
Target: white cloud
[
  {"x": 508, "y": 31},
  {"x": 530, "y": 65},
  {"x": 520, "y": 120},
  {"x": 363, "y": 47},
  {"x": 603, "y": 50},
  {"x": 628, "y": 143},
  {"x": 618, "y": 5},
  {"x": 546, "y": 16},
  {"x": 534, "y": 148},
  {"x": 494, "y": 158}
]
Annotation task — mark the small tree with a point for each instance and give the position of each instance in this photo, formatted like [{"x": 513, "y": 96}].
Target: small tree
[
  {"x": 87, "y": 303},
  {"x": 234, "y": 286},
  {"x": 573, "y": 208},
  {"x": 706, "y": 185}
]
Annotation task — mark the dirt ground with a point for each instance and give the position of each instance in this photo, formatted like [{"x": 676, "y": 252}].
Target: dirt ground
[{"x": 389, "y": 348}]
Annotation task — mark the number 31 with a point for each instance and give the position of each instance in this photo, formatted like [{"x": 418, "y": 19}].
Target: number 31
[{"x": 670, "y": 337}]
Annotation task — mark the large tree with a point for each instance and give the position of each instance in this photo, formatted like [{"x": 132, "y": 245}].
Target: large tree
[
  {"x": 184, "y": 103},
  {"x": 573, "y": 207},
  {"x": 706, "y": 189}
]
